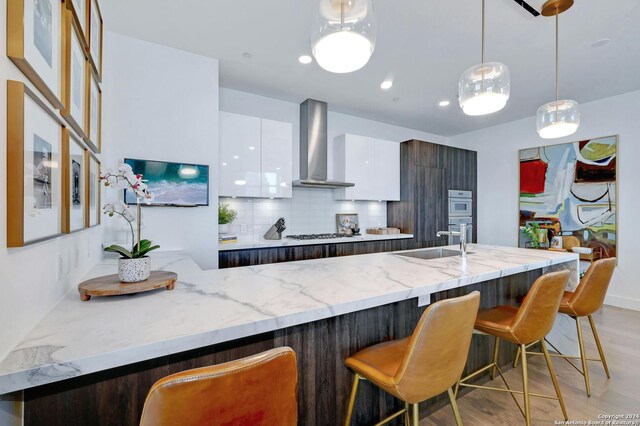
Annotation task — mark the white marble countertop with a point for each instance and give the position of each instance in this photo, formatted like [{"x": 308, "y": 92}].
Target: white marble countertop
[
  {"x": 208, "y": 307},
  {"x": 243, "y": 244}
]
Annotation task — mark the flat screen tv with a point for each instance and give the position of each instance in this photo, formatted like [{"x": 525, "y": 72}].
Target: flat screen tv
[{"x": 173, "y": 184}]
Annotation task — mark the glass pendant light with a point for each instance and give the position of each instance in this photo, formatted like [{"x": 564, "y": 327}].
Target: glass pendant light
[
  {"x": 343, "y": 35},
  {"x": 560, "y": 117},
  {"x": 484, "y": 88}
]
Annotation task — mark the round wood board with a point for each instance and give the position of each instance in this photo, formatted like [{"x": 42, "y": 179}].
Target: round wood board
[{"x": 110, "y": 285}]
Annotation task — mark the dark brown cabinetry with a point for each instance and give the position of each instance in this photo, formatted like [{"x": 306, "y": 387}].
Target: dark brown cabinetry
[
  {"x": 427, "y": 172},
  {"x": 248, "y": 257}
]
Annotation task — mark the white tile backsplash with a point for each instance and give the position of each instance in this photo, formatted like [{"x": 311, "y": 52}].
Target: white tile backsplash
[{"x": 309, "y": 211}]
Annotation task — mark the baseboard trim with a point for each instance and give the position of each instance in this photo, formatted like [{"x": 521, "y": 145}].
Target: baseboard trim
[{"x": 622, "y": 302}]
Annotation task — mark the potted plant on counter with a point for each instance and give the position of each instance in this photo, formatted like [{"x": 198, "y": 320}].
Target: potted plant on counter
[
  {"x": 225, "y": 217},
  {"x": 531, "y": 231},
  {"x": 134, "y": 265}
]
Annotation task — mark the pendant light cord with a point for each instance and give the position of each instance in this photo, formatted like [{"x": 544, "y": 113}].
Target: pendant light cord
[
  {"x": 482, "y": 48},
  {"x": 342, "y": 15},
  {"x": 557, "y": 54}
]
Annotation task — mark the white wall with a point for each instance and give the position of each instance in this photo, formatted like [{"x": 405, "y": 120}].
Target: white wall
[
  {"x": 498, "y": 180},
  {"x": 338, "y": 123},
  {"x": 162, "y": 104},
  {"x": 33, "y": 279}
]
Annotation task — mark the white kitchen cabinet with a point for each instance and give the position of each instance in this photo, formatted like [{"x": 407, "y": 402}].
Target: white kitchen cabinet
[
  {"x": 255, "y": 157},
  {"x": 387, "y": 170},
  {"x": 373, "y": 165},
  {"x": 277, "y": 159},
  {"x": 240, "y": 156}
]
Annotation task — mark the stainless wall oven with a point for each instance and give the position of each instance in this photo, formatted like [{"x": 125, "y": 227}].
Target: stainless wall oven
[
  {"x": 460, "y": 203},
  {"x": 460, "y": 211}
]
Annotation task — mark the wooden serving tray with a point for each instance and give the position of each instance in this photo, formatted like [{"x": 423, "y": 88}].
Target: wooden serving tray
[{"x": 110, "y": 285}]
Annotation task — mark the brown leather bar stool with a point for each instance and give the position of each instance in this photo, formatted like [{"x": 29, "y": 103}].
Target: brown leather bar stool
[
  {"x": 587, "y": 298},
  {"x": 423, "y": 365},
  {"x": 528, "y": 324},
  {"x": 257, "y": 390}
]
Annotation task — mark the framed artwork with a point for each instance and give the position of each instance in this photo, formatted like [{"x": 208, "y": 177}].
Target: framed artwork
[
  {"x": 34, "y": 179},
  {"x": 93, "y": 114},
  {"x": 74, "y": 178},
  {"x": 34, "y": 44},
  {"x": 95, "y": 37},
  {"x": 347, "y": 223},
  {"x": 74, "y": 77},
  {"x": 92, "y": 191},
  {"x": 79, "y": 10},
  {"x": 570, "y": 190}
]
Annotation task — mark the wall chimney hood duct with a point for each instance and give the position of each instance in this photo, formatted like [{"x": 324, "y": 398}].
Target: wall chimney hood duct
[{"x": 313, "y": 147}]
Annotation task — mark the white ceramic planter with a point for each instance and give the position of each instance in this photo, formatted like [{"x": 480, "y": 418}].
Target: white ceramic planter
[
  {"x": 223, "y": 229},
  {"x": 134, "y": 270}
]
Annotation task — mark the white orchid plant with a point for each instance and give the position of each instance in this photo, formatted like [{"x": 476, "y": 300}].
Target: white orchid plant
[{"x": 125, "y": 178}]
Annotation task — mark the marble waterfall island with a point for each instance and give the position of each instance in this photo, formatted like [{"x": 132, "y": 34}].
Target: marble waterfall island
[{"x": 115, "y": 348}]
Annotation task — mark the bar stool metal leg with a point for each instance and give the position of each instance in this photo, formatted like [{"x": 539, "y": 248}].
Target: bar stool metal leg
[
  {"x": 352, "y": 398},
  {"x": 415, "y": 415},
  {"x": 583, "y": 356},
  {"x": 407, "y": 420},
  {"x": 554, "y": 378},
  {"x": 600, "y": 351},
  {"x": 525, "y": 386},
  {"x": 454, "y": 407},
  {"x": 496, "y": 349}
]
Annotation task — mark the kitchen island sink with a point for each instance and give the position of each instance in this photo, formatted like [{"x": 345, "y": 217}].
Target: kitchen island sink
[{"x": 427, "y": 254}]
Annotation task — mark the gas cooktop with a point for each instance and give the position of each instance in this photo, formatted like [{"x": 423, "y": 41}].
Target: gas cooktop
[{"x": 315, "y": 236}]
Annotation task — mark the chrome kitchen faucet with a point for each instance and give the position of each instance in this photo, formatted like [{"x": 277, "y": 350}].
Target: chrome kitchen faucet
[{"x": 463, "y": 237}]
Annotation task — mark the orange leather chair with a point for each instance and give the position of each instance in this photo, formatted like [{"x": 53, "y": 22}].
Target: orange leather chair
[
  {"x": 587, "y": 298},
  {"x": 423, "y": 365},
  {"x": 525, "y": 325},
  {"x": 259, "y": 390}
]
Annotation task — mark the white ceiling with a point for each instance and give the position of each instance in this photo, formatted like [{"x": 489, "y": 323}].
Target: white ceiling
[{"x": 424, "y": 45}]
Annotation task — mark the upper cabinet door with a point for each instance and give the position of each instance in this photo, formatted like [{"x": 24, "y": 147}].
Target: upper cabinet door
[
  {"x": 277, "y": 159},
  {"x": 240, "y": 156},
  {"x": 387, "y": 170},
  {"x": 354, "y": 160}
]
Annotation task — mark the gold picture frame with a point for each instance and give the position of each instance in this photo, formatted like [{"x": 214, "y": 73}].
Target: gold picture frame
[
  {"x": 74, "y": 76},
  {"x": 96, "y": 34},
  {"x": 79, "y": 10},
  {"x": 36, "y": 46},
  {"x": 92, "y": 190},
  {"x": 74, "y": 178},
  {"x": 35, "y": 136},
  {"x": 93, "y": 110}
]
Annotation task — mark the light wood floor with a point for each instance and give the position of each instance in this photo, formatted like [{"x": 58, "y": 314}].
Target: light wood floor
[{"x": 619, "y": 331}]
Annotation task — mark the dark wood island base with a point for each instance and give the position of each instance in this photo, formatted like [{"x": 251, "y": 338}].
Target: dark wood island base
[{"x": 115, "y": 397}]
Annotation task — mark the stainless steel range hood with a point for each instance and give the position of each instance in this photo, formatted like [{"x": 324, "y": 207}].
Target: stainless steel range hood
[{"x": 313, "y": 147}]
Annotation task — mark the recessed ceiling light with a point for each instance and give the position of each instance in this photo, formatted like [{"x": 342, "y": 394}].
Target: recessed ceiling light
[
  {"x": 240, "y": 182},
  {"x": 235, "y": 157},
  {"x": 601, "y": 42},
  {"x": 305, "y": 59},
  {"x": 247, "y": 55},
  {"x": 386, "y": 84},
  {"x": 251, "y": 148},
  {"x": 444, "y": 103},
  {"x": 224, "y": 164},
  {"x": 396, "y": 99}
]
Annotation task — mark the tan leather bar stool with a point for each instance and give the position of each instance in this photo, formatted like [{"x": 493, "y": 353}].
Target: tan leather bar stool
[
  {"x": 584, "y": 301},
  {"x": 257, "y": 390},
  {"x": 423, "y": 365},
  {"x": 528, "y": 324}
]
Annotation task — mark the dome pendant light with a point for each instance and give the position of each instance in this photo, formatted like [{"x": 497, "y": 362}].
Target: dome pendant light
[
  {"x": 484, "y": 88},
  {"x": 344, "y": 34},
  {"x": 560, "y": 117}
]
